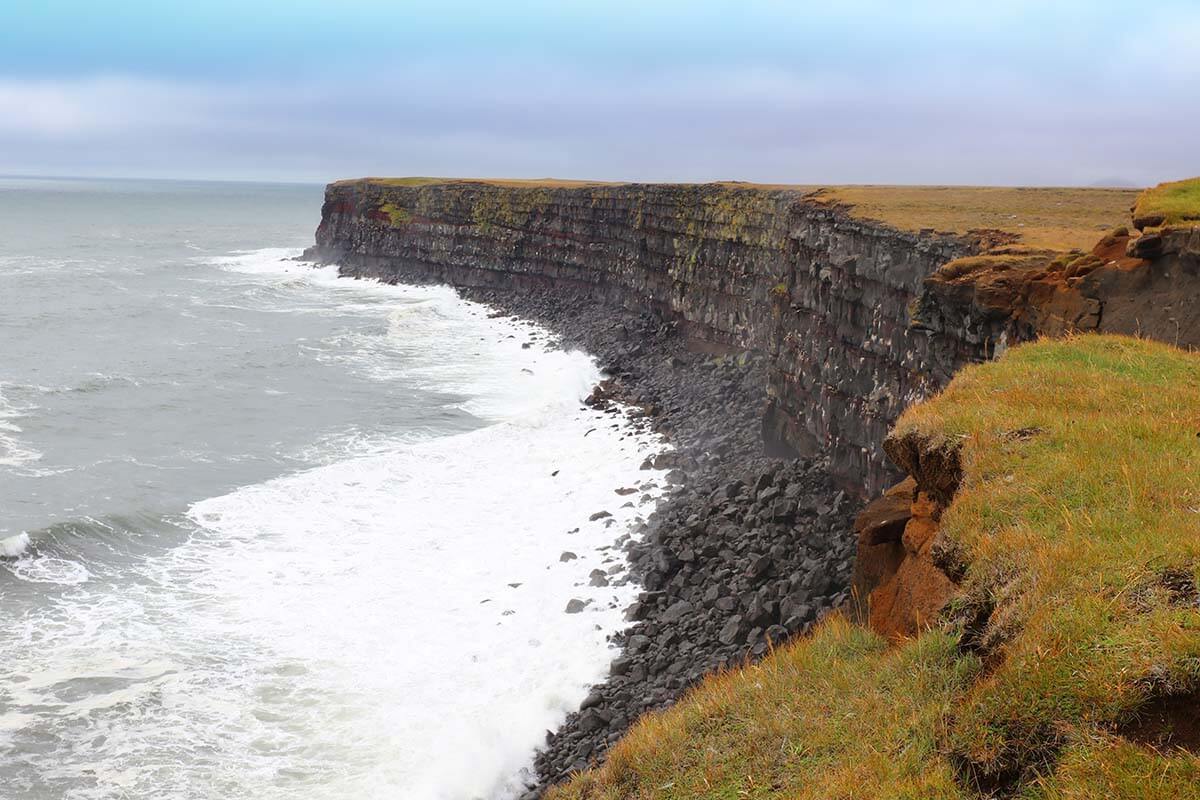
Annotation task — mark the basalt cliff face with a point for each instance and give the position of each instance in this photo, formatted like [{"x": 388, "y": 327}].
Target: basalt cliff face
[
  {"x": 824, "y": 296},
  {"x": 856, "y": 318}
]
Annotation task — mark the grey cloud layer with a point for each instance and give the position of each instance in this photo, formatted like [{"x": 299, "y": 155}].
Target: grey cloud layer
[{"x": 934, "y": 125}]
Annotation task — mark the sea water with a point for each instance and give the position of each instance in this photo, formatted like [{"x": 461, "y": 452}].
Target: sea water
[{"x": 270, "y": 533}]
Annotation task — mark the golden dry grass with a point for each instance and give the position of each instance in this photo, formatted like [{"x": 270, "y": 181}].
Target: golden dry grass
[
  {"x": 1054, "y": 219},
  {"x": 818, "y": 720},
  {"x": 1081, "y": 538}
]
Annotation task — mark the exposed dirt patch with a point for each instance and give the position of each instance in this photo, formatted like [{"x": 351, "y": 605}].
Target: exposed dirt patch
[
  {"x": 935, "y": 465},
  {"x": 1180, "y": 586},
  {"x": 915, "y": 595},
  {"x": 1175, "y": 586},
  {"x": 1024, "y": 434},
  {"x": 1167, "y": 722},
  {"x": 878, "y": 529},
  {"x": 984, "y": 784},
  {"x": 1113, "y": 250},
  {"x": 1010, "y": 778}
]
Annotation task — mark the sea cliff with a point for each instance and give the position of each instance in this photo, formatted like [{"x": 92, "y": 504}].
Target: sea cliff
[
  {"x": 857, "y": 317},
  {"x": 823, "y": 295},
  {"x": 844, "y": 307}
]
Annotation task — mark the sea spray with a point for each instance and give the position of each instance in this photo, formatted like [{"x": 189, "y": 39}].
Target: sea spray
[
  {"x": 383, "y": 615},
  {"x": 13, "y": 546}
]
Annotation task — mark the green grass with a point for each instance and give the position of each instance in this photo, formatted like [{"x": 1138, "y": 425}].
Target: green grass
[
  {"x": 1070, "y": 533},
  {"x": 1169, "y": 204},
  {"x": 397, "y": 215},
  {"x": 814, "y": 721},
  {"x": 1081, "y": 535}
]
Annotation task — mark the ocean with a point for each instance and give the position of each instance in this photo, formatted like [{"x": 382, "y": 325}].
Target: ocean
[{"x": 270, "y": 533}]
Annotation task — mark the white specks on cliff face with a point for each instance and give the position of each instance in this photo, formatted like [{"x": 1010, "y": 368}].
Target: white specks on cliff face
[{"x": 709, "y": 257}]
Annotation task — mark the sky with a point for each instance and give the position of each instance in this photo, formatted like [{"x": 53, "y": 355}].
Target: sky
[{"x": 841, "y": 91}]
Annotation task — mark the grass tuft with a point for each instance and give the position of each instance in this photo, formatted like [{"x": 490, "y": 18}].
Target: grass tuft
[
  {"x": 396, "y": 214},
  {"x": 1168, "y": 204}
]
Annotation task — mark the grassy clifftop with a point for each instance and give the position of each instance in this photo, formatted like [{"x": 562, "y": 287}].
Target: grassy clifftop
[
  {"x": 515, "y": 183},
  {"x": 1169, "y": 204},
  {"x": 1045, "y": 218},
  {"x": 1066, "y": 666}
]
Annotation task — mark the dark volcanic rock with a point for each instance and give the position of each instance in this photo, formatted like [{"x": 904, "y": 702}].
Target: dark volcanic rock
[
  {"x": 732, "y": 556},
  {"x": 732, "y": 631},
  {"x": 825, "y": 295},
  {"x": 676, "y": 612},
  {"x": 575, "y": 605}
]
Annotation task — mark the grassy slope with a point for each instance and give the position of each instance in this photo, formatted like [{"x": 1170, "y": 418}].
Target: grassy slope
[
  {"x": 1056, "y": 219},
  {"x": 1083, "y": 533}
]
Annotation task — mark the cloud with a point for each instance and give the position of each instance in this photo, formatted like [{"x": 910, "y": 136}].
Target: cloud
[
  {"x": 920, "y": 121},
  {"x": 102, "y": 106},
  {"x": 44, "y": 108}
]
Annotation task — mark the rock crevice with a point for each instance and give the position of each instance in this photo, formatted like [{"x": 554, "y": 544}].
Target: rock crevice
[{"x": 904, "y": 571}]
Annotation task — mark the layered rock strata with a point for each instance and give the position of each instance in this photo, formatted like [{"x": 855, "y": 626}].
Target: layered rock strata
[
  {"x": 1138, "y": 285},
  {"x": 822, "y": 296}
]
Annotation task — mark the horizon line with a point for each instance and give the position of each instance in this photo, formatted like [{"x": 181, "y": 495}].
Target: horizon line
[{"x": 1117, "y": 184}]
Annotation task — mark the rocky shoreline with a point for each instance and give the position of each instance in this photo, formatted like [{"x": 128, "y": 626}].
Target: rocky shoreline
[{"x": 742, "y": 552}]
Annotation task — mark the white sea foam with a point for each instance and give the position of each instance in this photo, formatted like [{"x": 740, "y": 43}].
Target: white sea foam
[
  {"x": 15, "y": 452},
  {"x": 389, "y": 577},
  {"x": 36, "y": 568},
  {"x": 13, "y": 546},
  {"x": 388, "y": 625},
  {"x": 18, "y": 267}
]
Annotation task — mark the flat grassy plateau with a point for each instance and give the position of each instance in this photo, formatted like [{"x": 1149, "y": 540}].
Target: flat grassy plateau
[{"x": 1044, "y": 218}]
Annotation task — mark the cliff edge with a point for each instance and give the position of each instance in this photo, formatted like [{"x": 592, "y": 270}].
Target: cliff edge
[{"x": 845, "y": 290}]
